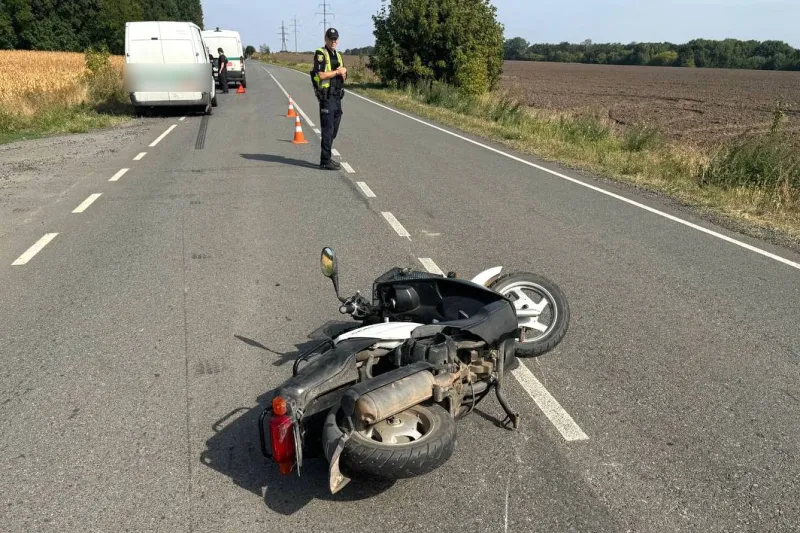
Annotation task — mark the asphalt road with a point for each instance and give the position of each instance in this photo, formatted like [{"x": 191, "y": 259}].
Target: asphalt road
[{"x": 137, "y": 342}]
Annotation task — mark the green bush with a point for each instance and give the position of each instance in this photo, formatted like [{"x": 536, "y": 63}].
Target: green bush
[
  {"x": 458, "y": 42},
  {"x": 104, "y": 82},
  {"x": 770, "y": 161},
  {"x": 640, "y": 137},
  {"x": 584, "y": 129}
]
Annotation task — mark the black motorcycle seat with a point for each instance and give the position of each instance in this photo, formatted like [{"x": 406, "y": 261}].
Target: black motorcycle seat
[{"x": 493, "y": 323}]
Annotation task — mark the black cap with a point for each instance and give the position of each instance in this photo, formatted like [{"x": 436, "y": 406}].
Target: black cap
[{"x": 332, "y": 34}]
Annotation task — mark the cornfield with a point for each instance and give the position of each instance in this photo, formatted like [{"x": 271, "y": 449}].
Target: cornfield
[{"x": 33, "y": 80}]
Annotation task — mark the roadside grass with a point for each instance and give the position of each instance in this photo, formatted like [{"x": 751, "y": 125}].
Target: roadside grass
[
  {"x": 754, "y": 179},
  {"x": 61, "y": 93}
]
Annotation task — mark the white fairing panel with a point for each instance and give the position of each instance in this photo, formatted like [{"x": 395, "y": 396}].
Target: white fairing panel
[
  {"x": 393, "y": 332},
  {"x": 487, "y": 275}
]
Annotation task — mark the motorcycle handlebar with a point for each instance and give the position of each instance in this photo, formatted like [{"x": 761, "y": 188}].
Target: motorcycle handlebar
[{"x": 347, "y": 309}]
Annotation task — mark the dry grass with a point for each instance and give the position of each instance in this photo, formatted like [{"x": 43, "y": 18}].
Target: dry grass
[{"x": 45, "y": 79}]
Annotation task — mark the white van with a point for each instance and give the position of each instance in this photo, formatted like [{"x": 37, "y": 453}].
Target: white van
[
  {"x": 168, "y": 64},
  {"x": 231, "y": 44}
]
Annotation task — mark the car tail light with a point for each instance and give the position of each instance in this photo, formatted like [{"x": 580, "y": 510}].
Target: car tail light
[{"x": 282, "y": 436}]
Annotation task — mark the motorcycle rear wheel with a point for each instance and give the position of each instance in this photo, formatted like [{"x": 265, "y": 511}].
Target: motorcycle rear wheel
[
  {"x": 535, "y": 294},
  {"x": 414, "y": 442}
]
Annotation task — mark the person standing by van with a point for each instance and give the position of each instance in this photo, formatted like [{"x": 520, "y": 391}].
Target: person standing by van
[{"x": 223, "y": 71}]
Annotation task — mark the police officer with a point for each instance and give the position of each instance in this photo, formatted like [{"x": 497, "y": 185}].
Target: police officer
[{"x": 328, "y": 76}]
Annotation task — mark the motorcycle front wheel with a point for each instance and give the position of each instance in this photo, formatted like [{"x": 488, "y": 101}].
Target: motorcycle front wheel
[
  {"x": 542, "y": 311},
  {"x": 409, "y": 444}
]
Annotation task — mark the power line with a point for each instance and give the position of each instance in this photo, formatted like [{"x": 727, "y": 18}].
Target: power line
[
  {"x": 282, "y": 33},
  {"x": 295, "y": 33},
  {"x": 325, "y": 14}
]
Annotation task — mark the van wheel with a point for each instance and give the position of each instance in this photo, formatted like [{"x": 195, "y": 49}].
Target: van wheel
[
  {"x": 208, "y": 110},
  {"x": 244, "y": 82},
  {"x": 214, "y": 101}
]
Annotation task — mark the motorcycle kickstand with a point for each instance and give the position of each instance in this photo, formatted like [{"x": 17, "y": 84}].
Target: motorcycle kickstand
[{"x": 511, "y": 415}]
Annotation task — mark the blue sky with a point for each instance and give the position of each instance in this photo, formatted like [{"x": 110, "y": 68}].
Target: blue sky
[{"x": 535, "y": 20}]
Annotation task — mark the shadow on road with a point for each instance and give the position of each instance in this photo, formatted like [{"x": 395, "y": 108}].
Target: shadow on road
[
  {"x": 234, "y": 451},
  {"x": 171, "y": 111},
  {"x": 270, "y": 158}
]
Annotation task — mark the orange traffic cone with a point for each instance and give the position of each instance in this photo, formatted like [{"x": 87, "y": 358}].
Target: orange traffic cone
[
  {"x": 291, "y": 113},
  {"x": 241, "y": 88},
  {"x": 299, "y": 138}
]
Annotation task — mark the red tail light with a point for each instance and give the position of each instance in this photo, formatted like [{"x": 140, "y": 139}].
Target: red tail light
[{"x": 282, "y": 436}]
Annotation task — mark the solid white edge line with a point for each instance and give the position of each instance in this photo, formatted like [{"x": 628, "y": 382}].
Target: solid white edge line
[
  {"x": 430, "y": 266},
  {"x": 348, "y": 168},
  {"x": 160, "y": 137},
  {"x": 86, "y": 203},
  {"x": 35, "y": 249},
  {"x": 140, "y": 156},
  {"x": 395, "y": 224},
  {"x": 297, "y": 107},
  {"x": 119, "y": 174},
  {"x": 365, "y": 189},
  {"x": 593, "y": 187},
  {"x": 549, "y": 405},
  {"x": 335, "y": 152}
]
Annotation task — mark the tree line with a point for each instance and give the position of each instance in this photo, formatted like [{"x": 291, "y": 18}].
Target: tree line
[
  {"x": 367, "y": 50},
  {"x": 700, "y": 53},
  {"x": 78, "y": 25}
]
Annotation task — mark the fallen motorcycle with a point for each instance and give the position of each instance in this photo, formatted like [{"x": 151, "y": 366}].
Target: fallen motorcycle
[{"x": 380, "y": 397}]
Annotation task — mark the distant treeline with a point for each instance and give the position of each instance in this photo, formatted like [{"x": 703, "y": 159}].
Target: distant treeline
[
  {"x": 77, "y": 25},
  {"x": 700, "y": 53},
  {"x": 367, "y": 50}
]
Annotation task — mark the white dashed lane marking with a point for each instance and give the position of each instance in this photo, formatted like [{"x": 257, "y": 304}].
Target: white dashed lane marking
[
  {"x": 35, "y": 249},
  {"x": 335, "y": 152},
  {"x": 396, "y": 225},
  {"x": 365, "y": 189},
  {"x": 430, "y": 266},
  {"x": 348, "y": 168},
  {"x": 119, "y": 174},
  {"x": 140, "y": 156},
  {"x": 160, "y": 137},
  {"x": 86, "y": 203},
  {"x": 549, "y": 405}
]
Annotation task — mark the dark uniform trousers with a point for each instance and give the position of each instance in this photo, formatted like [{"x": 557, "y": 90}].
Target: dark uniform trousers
[
  {"x": 330, "y": 115},
  {"x": 223, "y": 80}
]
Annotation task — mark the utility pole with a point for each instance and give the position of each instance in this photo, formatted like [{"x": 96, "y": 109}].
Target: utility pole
[
  {"x": 325, "y": 13},
  {"x": 295, "y": 33},
  {"x": 282, "y": 33}
]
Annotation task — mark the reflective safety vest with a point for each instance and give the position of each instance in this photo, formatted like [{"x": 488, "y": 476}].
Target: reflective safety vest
[{"x": 324, "y": 84}]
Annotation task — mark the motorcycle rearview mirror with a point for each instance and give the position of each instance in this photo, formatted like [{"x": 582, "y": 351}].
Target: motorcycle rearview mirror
[{"x": 330, "y": 268}]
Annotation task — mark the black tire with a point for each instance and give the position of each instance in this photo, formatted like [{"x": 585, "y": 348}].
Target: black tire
[
  {"x": 214, "y": 101},
  {"x": 244, "y": 82},
  {"x": 364, "y": 458},
  {"x": 558, "y": 300}
]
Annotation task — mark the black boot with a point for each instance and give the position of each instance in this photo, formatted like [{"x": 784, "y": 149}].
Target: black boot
[{"x": 330, "y": 165}]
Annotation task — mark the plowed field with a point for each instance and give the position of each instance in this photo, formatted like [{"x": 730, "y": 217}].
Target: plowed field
[{"x": 697, "y": 105}]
